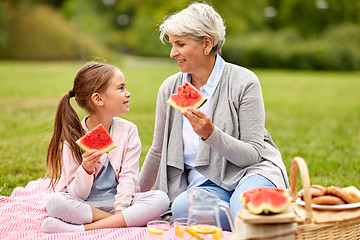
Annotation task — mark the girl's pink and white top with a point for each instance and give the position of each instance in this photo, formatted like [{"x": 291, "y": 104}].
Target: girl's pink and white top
[{"x": 124, "y": 159}]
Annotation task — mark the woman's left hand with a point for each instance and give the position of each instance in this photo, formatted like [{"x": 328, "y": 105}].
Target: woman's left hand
[{"x": 199, "y": 121}]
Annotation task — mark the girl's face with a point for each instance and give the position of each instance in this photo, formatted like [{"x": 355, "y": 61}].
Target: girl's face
[
  {"x": 116, "y": 97},
  {"x": 188, "y": 52}
]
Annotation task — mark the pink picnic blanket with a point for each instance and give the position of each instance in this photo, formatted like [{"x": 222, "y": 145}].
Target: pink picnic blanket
[{"x": 22, "y": 213}]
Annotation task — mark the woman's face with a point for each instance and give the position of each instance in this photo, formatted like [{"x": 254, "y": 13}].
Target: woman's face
[{"x": 188, "y": 52}]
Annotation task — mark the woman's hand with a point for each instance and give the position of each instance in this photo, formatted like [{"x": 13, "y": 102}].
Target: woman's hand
[
  {"x": 199, "y": 121},
  {"x": 90, "y": 159}
]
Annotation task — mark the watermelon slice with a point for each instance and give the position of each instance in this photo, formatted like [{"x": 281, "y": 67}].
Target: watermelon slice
[
  {"x": 266, "y": 200},
  {"x": 98, "y": 139},
  {"x": 187, "y": 96},
  {"x": 245, "y": 197}
]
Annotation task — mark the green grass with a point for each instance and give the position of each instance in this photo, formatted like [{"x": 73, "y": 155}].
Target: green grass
[{"x": 315, "y": 115}]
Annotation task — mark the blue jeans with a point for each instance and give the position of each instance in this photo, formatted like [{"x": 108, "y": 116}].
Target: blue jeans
[{"x": 180, "y": 205}]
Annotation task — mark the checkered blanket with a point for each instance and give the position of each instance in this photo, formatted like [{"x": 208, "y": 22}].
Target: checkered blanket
[{"x": 22, "y": 213}]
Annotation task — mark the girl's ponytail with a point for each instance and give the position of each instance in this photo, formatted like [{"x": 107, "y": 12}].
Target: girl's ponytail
[
  {"x": 67, "y": 127},
  {"x": 92, "y": 77}
]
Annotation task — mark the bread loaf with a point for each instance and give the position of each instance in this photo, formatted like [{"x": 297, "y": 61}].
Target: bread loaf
[
  {"x": 332, "y": 195},
  {"x": 339, "y": 192},
  {"x": 328, "y": 200},
  {"x": 314, "y": 192},
  {"x": 353, "y": 192}
]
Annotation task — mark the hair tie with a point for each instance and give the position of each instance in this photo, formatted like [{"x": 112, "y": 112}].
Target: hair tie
[{"x": 71, "y": 93}]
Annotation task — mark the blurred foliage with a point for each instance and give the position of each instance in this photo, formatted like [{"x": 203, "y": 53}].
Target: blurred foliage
[
  {"x": 313, "y": 17},
  {"x": 315, "y": 34},
  {"x": 337, "y": 48},
  {"x": 38, "y": 32}
]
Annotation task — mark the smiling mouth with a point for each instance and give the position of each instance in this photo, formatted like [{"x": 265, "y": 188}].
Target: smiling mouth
[{"x": 181, "y": 61}]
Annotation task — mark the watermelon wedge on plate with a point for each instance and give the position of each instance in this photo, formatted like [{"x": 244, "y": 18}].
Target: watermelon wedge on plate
[
  {"x": 98, "y": 139},
  {"x": 187, "y": 96},
  {"x": 266, "y": 200}
]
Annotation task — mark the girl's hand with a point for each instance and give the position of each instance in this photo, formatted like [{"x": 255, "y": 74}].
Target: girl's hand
[
  {"x": 90, "y": 159},
  {"x": 199, "y": 121}
]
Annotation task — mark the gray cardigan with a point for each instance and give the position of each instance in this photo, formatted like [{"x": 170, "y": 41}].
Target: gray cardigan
[{"x": 238, "y": 146}]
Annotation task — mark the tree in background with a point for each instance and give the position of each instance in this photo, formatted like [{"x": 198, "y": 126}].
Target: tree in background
[
  {"x": 38, "y": 32},
  {"x": 312, "y": 17},
  {"x": 262, "y": 33}
]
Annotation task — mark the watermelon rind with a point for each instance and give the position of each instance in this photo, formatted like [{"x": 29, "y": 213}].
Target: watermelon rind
[
  {"x": 105, "y": 149},
  {"x": 197, "y": 104},
  {"x": 269, "y": 200}
]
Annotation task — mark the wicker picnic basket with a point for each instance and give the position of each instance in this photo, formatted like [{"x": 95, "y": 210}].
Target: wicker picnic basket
[{"x": 334, "y": 227}]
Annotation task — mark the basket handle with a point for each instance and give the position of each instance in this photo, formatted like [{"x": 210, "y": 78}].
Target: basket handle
[{"x": 299, "y": 163}]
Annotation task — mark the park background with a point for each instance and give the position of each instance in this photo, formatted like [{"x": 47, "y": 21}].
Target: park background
[{"x": 306, "y": 54}]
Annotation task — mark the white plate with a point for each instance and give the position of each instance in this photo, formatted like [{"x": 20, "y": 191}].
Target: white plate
[{"x": 330, "y": 207}]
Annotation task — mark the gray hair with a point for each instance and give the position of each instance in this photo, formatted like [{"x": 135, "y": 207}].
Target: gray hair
[{"x": 196, "y": 21}]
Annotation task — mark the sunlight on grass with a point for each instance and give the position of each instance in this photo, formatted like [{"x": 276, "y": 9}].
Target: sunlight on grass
[{"x": 315, "y": 115}]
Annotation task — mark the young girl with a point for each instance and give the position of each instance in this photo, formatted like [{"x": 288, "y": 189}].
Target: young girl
[{"x": 97, "y": 190}]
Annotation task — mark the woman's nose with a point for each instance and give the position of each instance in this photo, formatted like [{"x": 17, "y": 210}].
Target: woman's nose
[
  {"x": 128, "y": 94},
  {"x": 173, "y": 52}
]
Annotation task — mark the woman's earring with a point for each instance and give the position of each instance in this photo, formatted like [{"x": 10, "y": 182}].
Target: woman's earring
[{"x": 206, "y": 52}]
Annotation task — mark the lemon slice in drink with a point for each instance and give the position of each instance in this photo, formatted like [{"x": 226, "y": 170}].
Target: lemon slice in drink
[
  {"x": 193, "y": 233},
  {"x": 218, "y": 234},
  {"x": 204, "y": 229},
  {"x": 155, "y": 231},
  {"x": 179, "y": 232}
]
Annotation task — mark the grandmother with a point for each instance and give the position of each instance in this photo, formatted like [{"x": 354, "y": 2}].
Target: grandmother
[{"x": 222, "y": 147}]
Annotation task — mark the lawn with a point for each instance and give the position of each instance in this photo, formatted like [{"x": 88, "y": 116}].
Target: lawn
[{"x": 312, "y": 114}]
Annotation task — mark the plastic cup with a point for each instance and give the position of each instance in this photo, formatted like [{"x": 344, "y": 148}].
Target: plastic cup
[
  {"x": 158, "y": 230},
  {"x": 180, "y": 225}
]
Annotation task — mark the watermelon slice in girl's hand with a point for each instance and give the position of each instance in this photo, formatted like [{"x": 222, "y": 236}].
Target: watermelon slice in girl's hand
[
  {"x": 187, "y": 96},
  {"x": 98, "y": 139}
]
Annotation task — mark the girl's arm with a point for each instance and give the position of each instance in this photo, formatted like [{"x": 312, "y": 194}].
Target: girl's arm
[
  {"x": 74, "y": 177},
  {"x": 129, "y": 171}
]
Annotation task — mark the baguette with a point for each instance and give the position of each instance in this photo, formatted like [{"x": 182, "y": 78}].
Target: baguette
[
  {"x": 320, "y": 187},
  {"x": 314, "y": 192},
  {"x": 328, "y": 200},
  {"x": 339, "y": 192},
  {"x": 332, "y": 195}
]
